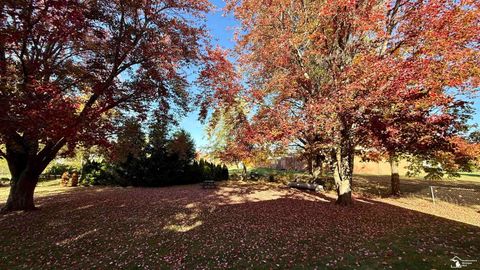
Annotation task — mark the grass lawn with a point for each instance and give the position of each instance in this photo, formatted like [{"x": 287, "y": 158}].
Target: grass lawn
[{"x": 239, "y": 225}]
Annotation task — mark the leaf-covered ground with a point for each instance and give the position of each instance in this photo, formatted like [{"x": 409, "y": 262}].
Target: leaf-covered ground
[{"x": 238, "y": 226}]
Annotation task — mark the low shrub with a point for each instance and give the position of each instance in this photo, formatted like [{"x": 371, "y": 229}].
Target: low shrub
[
  {"x": 162, "y": 161},
  {"x": 96, "y": 173},
  {"x": 151, "y": 173},
  {"x": 59, "y": 169}
]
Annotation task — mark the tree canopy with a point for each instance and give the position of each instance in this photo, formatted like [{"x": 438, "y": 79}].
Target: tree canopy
[
  {"x": 343, "y": 74},
  {"x": 67, "y": 66}
]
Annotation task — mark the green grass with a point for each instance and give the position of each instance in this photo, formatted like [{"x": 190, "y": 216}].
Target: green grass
[
  {"x": 4, "y": 172},
  {"x": 470, "y": 176},
  {"x": 43, "y": 188}
]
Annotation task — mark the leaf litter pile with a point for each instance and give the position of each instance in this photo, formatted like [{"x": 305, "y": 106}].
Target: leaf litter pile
[{"x": 238, "y": 226}]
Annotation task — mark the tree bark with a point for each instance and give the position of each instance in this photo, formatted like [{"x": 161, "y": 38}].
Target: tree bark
[
  {"x": 343, "y": 168},
  {"x": 21, "y": 192},
  {"x": 244, "y": 167},
  {"x": 25, "y": 164},
  {"x": 310, "y": 164},
  {"x": 395, "y": 177},
  {"x": 24, "y": 179},
  {"x": 317, "y": 167}
]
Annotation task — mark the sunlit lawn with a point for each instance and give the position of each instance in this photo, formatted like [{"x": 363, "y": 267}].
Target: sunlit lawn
[
  {"x": 239, "y": 225},
  {"x": 43, "y": 189},
  {"x": 470, "y": 176}
]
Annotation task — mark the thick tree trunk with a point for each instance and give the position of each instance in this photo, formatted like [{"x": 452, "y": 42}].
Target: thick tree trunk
[
  {"x": 25, "y": 163},
  {"x": 343, "y": 170},
  {"x": 395, "y": 177},
  {"x": 343, "y": 181},
  {"x": 23, "y": 182},
  {"x": 21, "y": 192}
]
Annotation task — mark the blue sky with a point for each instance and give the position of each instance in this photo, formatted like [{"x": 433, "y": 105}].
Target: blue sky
[{"x": 222, "y": 30}]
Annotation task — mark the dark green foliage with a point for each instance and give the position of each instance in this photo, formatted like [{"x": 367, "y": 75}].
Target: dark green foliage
[
  {"x": 474, "y": 136},
  {"x": 132, "y": 172},
  {"x": 225, "y": 172},
  {"x": 210, "y": 171},
  {"x": 434, "y": 173},
  {"x": 433, "y": 169},
  {"x": 327, "y": 182},
  {"x": 96, "y": 173},
  {"x": 58, "y": 169},
  {"x": 152, "y": 172},
  {"x": 164, "y": 162}
]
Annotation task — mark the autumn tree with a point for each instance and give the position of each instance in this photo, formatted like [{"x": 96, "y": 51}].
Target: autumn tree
[
  {"x": 474, "y": 137},
  {"x": 323, "y": 68},
  {"x": 230, "y": 130},
  {"x": 464, "y": 156},
  {"x": 65, "y": 65},
  {"x": 407, "y": 129},
  {"x": 429, "y": 112},
  {"x": 181, "y": 145},
  {"x": 229, "y": 133},
  {"x": 130, "y": 141}
]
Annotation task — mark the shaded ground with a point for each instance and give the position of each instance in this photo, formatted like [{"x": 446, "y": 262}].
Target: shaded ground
[{"x": 235, "y": 226}]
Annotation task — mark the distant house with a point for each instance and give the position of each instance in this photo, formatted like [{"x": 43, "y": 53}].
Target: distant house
[{"x": 296, "y": 163}]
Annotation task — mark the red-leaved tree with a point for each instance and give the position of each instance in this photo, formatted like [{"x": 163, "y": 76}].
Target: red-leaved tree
[
  {"x": 323, "y": 69},
  {"x": 66, "y": 65}
]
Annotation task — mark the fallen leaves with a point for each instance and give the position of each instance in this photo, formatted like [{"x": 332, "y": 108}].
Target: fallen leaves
[{"x": 235, "y": 226}]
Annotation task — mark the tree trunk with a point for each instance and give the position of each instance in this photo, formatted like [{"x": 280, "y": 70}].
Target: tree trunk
[
  {"x": 21, "y": 192},
  {"x": 343, "y": 168},
  {"x": 395, "y": 177},
  {"x": 25, "y": 164},
  {"x": 310, "y": 164},
  {"x": 343, "y": 174},
  {"x": 317, "y": 167}
]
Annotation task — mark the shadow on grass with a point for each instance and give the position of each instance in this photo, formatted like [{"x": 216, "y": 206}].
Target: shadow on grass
[{"x": 235, "y": 226}]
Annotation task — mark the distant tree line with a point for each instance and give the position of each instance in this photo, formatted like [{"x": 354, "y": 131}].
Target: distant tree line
[{"x": 162, "y": 160}]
